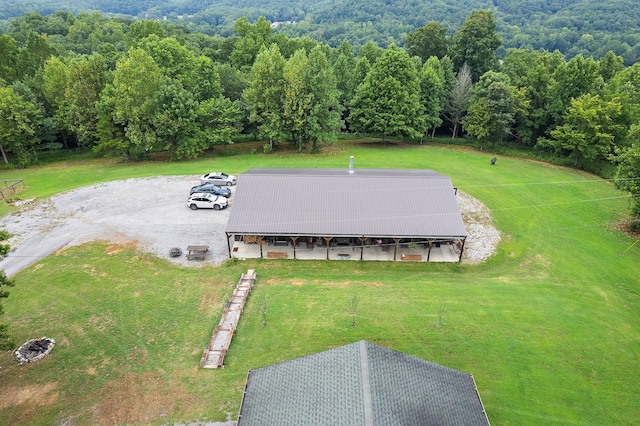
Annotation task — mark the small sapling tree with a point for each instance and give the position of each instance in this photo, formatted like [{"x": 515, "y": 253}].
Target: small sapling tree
[
  {"x": 263, "y": 310},
  {"x": 353, "y": 309},
  {"x": 442, "y": 308}
]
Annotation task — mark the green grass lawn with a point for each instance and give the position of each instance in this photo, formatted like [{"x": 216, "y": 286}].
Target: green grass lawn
[{"x": 549, "y": 326}]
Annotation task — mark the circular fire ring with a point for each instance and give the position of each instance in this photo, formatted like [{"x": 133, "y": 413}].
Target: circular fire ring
[{"x": 34, "y": 350}]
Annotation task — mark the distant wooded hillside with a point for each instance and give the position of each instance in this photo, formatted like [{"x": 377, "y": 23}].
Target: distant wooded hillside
[{"x": 587, "y": 27}]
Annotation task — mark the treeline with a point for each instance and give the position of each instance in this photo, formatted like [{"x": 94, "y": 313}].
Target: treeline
[
  {"x": 587, "y": 27},
  {"x": 119, "y": 87}
]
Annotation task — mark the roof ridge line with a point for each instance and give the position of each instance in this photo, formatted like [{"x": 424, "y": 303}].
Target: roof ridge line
[{"x": 366, "y": 384}]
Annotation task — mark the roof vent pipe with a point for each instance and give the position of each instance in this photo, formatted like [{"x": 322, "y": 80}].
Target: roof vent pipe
[{"x": 351, "y": 165}]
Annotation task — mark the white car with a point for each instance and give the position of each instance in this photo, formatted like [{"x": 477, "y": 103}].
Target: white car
[
  {"x": 218, "y": 178},
  {"x": 205, "y": 200}
]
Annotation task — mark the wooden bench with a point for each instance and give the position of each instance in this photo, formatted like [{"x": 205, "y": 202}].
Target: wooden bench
[
  {"x": 276, "y": 255},
  {"x": 414, "y": 257},
  {"x": 196, "y": 256},
  {"x": 198, "y": 248},
  {"x": 197, "y": 252}
]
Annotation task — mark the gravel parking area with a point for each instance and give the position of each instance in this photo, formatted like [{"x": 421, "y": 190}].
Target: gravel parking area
[{"x": 152, "y": 212}]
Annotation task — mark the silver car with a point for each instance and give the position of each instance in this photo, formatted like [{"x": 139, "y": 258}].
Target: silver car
[
  {"x": 218, "y": 178},
  {"x": 205, "y": 200}
]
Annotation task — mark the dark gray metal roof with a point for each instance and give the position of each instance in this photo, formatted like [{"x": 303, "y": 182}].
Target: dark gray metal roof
[
  {"x": 360, "y": 384},
  {"x": 327, "y": 202}
]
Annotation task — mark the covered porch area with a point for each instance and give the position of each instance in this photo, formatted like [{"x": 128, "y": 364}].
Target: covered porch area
[{"x": 346, "y": 248}]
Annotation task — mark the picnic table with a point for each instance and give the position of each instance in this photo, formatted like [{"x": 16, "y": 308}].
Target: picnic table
[{"x": 197, "y": 252}]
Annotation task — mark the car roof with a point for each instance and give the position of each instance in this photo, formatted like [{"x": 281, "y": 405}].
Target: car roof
[
  {"x": 201, "y": 195},
  {"x": 207, "y": 185}
]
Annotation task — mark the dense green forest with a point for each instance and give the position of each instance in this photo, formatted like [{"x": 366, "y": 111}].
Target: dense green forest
[
  {"x": 118, "y": 86},
  {"x": 587, "y": 27}
]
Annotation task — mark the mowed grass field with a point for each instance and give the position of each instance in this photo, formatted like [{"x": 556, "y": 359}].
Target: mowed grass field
[{"x": 549, "y": 326}]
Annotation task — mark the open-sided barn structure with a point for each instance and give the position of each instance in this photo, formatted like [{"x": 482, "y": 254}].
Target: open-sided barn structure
[
  {"x": 358, "y": 214},
  {"x": 360, "y": 384}
]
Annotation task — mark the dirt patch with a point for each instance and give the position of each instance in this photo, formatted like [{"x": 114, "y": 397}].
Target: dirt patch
[
  {"x": 207, "y": 301},
  {"x": 137, "y": 399},
  {"x": 32, "y": 395},
  {"x": 119, "y": 248}
]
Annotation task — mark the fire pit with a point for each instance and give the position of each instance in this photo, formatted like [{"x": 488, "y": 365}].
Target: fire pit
[{"x": 34, "y": 350}]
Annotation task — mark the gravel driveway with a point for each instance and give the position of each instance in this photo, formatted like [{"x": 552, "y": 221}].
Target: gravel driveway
[
  {"x": 150, "y": 211},
  {"x": 153, "y": 213}
]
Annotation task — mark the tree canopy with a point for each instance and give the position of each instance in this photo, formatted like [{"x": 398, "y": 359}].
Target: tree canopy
[{"x": 130, "y": 88}]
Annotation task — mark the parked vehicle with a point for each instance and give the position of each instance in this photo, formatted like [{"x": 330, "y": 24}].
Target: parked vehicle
[
  {"x": 213, "y": 189},
  {"x": 218, "y": 178},
  {"x": 206, "y": 200}
]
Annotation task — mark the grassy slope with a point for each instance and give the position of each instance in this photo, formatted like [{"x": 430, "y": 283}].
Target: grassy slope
[{"x": 549, "y": 327}]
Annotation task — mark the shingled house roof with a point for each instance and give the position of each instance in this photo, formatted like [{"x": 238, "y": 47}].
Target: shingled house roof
[
  {"x": 360, "y": 384},
  {"x": 334, "y": 202}
]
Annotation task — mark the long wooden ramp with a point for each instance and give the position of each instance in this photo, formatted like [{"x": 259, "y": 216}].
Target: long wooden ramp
[{"x": 213, "y": 355}]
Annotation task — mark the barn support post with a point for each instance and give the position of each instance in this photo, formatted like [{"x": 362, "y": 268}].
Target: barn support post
[
  {"x": 362, "y": 240},
  {"x": 429, "y": 252},
  {"x": 327, "y": 241},
  {"x": 260, "y": 238},
  {"x": 395, "y": 248},
  {"x": 228, "y": 245},
  {"x": 461, "y": 250},
  {"x": 294, "y": 241}
]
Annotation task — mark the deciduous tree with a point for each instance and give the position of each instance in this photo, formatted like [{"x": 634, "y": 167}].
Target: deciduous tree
[
  {"x": 296, "y": 100},
  {"x": 324, "y": 121},
  {"x": 131, "y": 100},
  {"x": 492, "y": 108},
  {"x": 87, "y": 78},
  {"x": 577, "y": 77},
  {"x": 343, "y": 69},
  {"x": 628, "y": 171},
  {"x": 590, "y": 129},
  {"x": 252, "y": 38},
  {"x": 142, "y": 29},
  {"x": 174, "y": 120},
  {"x": 18, "y": 125},
  {"x": 265, "y": 94},
  {"x": 476, "y": 42},
  {"x": 371, "y": 51},
  {"x": 217, "y": 118},
  {"x": 427, "y": 41},
  {"x": 432, "y": 89},
  {"x": 8, "y": 59},
  {"x": 389, "y": 101},
  {"x": 459, "y": 97}
]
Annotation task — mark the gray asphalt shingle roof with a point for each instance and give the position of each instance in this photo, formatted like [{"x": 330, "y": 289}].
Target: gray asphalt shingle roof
[
  {"x": 360, "y": 384},
  {"x": 324, "y": 202}
]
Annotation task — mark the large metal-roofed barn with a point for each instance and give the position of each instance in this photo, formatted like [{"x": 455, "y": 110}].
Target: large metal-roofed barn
[
  {"x": 358, "y": 214},
  {"x": 360, "y": 384}
]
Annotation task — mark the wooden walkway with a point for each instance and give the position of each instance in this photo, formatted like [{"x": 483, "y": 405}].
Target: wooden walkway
[{"x": 213, "y": 355}]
